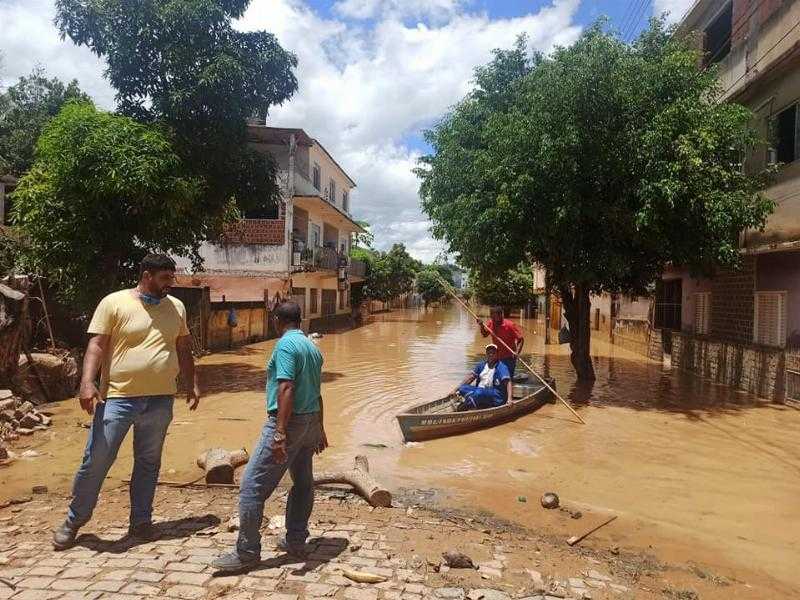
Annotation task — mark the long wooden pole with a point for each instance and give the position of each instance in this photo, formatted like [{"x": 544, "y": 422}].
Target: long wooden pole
[{"x": 519, "y": 358}]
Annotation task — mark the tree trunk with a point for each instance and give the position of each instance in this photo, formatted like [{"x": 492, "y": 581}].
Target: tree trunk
[
  {"x": 220, "y": 464},
  {"x": 577, "y": 307},
  {"x": 360, "y": 478}
]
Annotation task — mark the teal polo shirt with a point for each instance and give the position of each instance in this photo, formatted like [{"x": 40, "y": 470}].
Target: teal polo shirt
[{"x": 295, "y": 358}]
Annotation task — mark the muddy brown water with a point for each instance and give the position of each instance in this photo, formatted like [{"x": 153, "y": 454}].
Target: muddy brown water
[{"x": 696, "y": 472}]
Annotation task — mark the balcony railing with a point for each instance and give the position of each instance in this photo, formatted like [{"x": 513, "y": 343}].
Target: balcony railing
[{"x": 318, "y": 258}]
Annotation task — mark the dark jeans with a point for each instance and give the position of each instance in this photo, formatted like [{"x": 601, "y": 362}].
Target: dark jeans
[
  {"x": 150, "y": 417},
  {"x": 262, "y": 477}
]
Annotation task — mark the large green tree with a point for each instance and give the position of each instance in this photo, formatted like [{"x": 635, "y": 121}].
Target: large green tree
[
  {"x": 103, "y": 192},
  {"x": 25, "y": 108},
  {"x": 603, "y": 162},
  {"x": 181, "y": 63}
]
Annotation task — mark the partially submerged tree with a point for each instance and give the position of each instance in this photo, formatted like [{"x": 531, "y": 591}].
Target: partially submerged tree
[
  {"x": 181, "y": 63},
  {"x": 103, "y": 192},
  {"x": 603, "y": 162},
  {"x": 389, "y": 274},
  {"x": 429, "y": 283},
  {"x": 25, "y": 108}
]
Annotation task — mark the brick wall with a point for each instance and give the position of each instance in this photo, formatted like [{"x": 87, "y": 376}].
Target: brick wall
[
  {"x": 732, "y": 303},
  {"x": 754, "y": 369},
  {"x": 256, "y": 231}
]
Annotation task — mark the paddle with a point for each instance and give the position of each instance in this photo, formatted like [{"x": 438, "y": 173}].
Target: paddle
[{"x": 452, "y": 292}]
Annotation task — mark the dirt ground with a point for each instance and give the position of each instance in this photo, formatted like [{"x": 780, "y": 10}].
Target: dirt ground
[{"x": 403, "y": 544}]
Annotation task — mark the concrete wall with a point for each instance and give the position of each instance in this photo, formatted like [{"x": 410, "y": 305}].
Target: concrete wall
[
  {"x": 329, "y": 170},
  {"x": 754, "y": 369},
  {"x": 233, "y": 258},
  {"x": 733, "y": 302}
]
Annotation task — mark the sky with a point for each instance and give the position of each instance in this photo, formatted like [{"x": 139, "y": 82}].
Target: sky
[{"x": 373, "y": 75}]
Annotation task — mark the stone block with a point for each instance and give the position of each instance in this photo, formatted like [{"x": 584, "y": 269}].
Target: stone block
[
  {"x": 35, "y": 583},
  {"x": 186, "y": 592},
  {"x": 186, "y": 567},
  {"x": 70, "y": 585},
  {"x": 142, "y": 589},
  {"x": 107, "y": 586},
  {"x": 197, "y": 579}
]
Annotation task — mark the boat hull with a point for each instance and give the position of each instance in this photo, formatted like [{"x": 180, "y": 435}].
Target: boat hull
[{"x": 425, "y": 422}]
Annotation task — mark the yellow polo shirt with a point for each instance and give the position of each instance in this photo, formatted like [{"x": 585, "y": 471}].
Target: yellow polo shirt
[{"x": 142, "y": 358}]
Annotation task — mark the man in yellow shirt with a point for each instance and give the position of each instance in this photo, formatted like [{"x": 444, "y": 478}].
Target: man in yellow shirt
[{"x": 140, "y": 341}]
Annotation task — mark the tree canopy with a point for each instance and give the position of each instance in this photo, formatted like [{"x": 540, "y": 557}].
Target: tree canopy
[
  {"x": 181, "y": 63},
  {"x": 603, "y": 162},
  {"x": 512, "y": 288},
  {"x": 25, "y": 108},
  {"x": 103, "y": 192},
  {"x": 389, "y": 274},
  {"x": 429, "y": 283}
]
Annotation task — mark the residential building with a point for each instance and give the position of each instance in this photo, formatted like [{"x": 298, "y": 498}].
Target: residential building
[
  {"x": 303, "y": 251},
  {"x": 742, "y": 326}
]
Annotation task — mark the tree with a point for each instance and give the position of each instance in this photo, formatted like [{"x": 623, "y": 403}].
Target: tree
[
  {"x": 365, "y": 239},
  {"x": 429, "y": 283},
  {"x": 181, "y": 63},
  {"x": 25, "y": 108},
  {"x": 103, "y": 192},
  {"x": 603, "y": 162},
  {"x": 512, "y": 288},
  {"x": 389, "y": 274}
]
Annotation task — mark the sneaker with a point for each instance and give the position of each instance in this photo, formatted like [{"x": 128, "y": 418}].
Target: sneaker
[
  {"x": 143, "y": 531},
  {"x": 233, "y": 562},
  {"x": 64, "y": 536},
  {"x": 298, "y": 550}
]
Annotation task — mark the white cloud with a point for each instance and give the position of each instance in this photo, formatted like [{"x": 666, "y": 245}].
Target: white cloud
[
  {"x": 675, "y": 8},
  {"x": 362, "y": 90},
  {"x": 30, "y": 39},
  {"x": 418, "y": 9},
  {"x": 364, "y": 85}
]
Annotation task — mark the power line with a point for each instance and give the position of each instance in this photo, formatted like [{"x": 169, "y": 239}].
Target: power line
[
  {"x": 638, "y": 20},
  {"x": 626, "y": 17}
]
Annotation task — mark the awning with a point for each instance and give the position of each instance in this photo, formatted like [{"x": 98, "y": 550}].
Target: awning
[{"x": 330, "y": 213}]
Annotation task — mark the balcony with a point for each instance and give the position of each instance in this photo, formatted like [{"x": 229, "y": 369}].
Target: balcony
[{"x": 317, "y": 259}]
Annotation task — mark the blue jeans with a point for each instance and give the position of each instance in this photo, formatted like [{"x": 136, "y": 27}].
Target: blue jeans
[
  {"x": 511, "y": 363},
  {"x": 478, "y": 397},
  {"x": 263, "y": 475},
  {"x": 150, "y": 416}
]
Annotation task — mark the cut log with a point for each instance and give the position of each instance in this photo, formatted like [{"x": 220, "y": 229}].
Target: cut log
[
  {"x": 220, "y": 464},
  {"x": 360, "y": 479}
]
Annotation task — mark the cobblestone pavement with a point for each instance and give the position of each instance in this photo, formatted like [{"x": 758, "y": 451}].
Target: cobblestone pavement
[{"x": 402, "y": 545}]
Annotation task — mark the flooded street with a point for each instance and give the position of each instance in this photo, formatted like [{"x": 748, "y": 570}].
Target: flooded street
[{"x": 697, "y": 472}]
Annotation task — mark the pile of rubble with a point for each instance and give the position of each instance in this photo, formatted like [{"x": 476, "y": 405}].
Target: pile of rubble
[{"x": 18, "y": 417}]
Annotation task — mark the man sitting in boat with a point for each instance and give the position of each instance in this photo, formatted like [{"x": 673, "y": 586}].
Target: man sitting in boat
[
  {"x": 509, "y": 332},
  {"x": 493, "y": 384}
]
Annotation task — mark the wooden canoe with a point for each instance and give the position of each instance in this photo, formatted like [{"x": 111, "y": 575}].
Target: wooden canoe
[{"x": 438, "y": 418}]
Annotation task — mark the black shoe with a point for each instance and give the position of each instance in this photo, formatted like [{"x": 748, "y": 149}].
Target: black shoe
[
  {"x": 143, "y": 531},
  {"x": 64, "y": 536},
  {"x": 233, "y": 562},
  {"x": 296, "y": 550}
]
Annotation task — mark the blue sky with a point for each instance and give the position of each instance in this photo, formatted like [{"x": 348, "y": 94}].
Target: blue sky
[{"x": 372, "y": 75}]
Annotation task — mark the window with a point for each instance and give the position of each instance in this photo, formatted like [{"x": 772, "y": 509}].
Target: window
[
  {"x": 316, "y": 236},
  {"x": 717, "y": 42},
  {"x": 341, "y": 298},
  {"x": 314, "y": 302},
  {"x": 332, "y": 192},
  {"x": 702, "y": 312},
  {"x": 316, "y": 176},
  {"x": 769, "y": 322},
  {"x": 786, "y": 135},
  {"x": 668, "y": 307},
  {"x": 345, "y": 202}
]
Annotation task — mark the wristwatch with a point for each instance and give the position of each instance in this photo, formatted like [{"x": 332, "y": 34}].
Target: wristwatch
[{"x": 279, "y": 437}]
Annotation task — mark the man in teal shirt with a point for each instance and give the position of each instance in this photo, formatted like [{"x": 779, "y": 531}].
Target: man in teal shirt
[{"x": 293, "y": 433}]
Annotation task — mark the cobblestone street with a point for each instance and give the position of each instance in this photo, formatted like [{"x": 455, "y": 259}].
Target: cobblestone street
[{"x": 402, "y": 545}]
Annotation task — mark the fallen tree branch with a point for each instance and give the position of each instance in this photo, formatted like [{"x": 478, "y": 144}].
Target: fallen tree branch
[{"x": 361, "y": 480}]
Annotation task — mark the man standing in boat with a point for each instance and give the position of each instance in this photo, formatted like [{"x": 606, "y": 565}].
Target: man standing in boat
[
  {"x": 505, "y": 333},
  {"x": 493, "y": 384}
]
